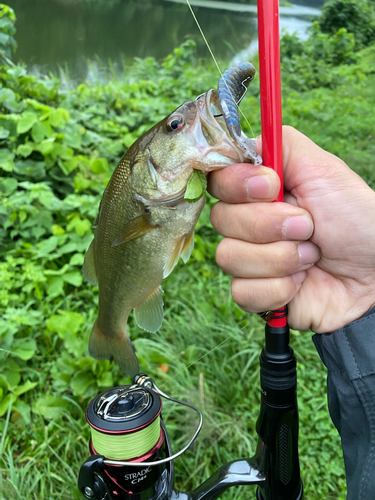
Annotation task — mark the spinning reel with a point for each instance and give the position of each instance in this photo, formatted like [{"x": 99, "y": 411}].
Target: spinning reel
[{"x": 131, "y": 454}]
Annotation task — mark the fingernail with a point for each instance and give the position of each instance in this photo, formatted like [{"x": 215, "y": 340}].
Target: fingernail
[
  {"x": 299, "y": 277},
  {"x": 258, "y": 187},
  {"x": 298, "y": 227},
  {"x": 308, "y": 253}
]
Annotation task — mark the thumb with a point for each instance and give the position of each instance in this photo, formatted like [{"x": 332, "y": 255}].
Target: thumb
[{"x": 305, "y": 162}]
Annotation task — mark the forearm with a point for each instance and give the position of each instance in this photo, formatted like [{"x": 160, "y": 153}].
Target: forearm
[{"x": 349, "y": 355}]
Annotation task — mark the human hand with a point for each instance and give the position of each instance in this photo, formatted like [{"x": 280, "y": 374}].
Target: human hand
[{"x": 315, "y": 252}]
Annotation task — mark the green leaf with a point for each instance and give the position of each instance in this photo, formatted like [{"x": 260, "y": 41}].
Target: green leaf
[
  {"x": 25, "y": 149},
  {"x": 57, "y": 230},
  {"x": 23, "y": 409},
  {"x": 48, "y": 245},
  {"x": 81, "y": 382},
  {"x": 106, "y": 380},
  {"x": 59, "y": 117},
  {"x": 68, "y": 165},
  {"x": 26, "y": 122},
  {"x": 11, "y": 371},
  {"x": 5, "y": 403},
  {"x": 57, "y": 272},
  {"x": 196, "y": 186},
  {"x": 81, "y": 183},
  {"x": 31, "y": 168},
  {"x": 6, "y": 160},
  {"x": 41, "y": 131},
  {"x": 27, "y": 386},
  {"x": 73, "y": 278},
  {"x": 65, "y": 322},
  {"x": 55, "y": 285},
  {"x": 8, "y": 100},
  {"x": 81, "y": 226},
  {"x": 46, "y": 147},
  {"x": 8, "y": 185},
  {"x": 77, "y": 259},
  {"x": 128, "y": 139},
  {"x": 24, "y": 348},
  {"x": 99, "y": 166},
  {"x": 51, "y": 407},
  {"x": 4, "y": 133}
]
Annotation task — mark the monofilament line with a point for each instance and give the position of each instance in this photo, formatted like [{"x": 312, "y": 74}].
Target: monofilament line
[
  {"x": 215, "y": 61},
  {"x": 204, "y": 38}
]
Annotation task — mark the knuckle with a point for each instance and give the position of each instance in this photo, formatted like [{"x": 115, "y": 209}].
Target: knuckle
[
  {"x": 215, "y": 215},
  {"x": 282, "y": 291},
  {"x": 257, "y": 227},
  {"x": 240, "y": 293},
  {"x": 284, "y": 260},
  {"x": 224, "y": 252}
]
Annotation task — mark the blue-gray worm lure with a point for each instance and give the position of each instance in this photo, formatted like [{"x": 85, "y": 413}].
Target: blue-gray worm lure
[{"x": 231, "y": 89}]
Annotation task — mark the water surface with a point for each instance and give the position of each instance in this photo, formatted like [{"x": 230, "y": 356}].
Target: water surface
[{"x": 52, "y": 34}]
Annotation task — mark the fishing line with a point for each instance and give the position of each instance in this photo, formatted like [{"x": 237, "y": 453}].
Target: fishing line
[
  {"x": 196, "y": 360},
  {"x": 216, "y": 63},
  {"x": 204, "y": 38}
]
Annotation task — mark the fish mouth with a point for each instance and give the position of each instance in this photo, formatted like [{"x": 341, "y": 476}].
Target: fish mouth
[{"x": 217, "y": 148}]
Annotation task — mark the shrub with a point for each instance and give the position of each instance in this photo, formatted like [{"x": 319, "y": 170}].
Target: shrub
[{"x": 356, "y": 16}]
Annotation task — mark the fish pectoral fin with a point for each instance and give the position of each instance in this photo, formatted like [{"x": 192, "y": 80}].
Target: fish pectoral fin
[
  {"x": 89, "y": 271},
  {"x": 149, "y": 314},
  {"x": 173, "y": 258},
  {"x": 183, "y": 249},
  {"x": 136, "y": 227},
  {"x": 188, "y": 247}
]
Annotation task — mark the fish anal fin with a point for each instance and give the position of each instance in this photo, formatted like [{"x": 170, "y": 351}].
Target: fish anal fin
[
  {"x": 117, "y": 347},
  {"x": 89, "y": 271},
  {"x": 188, "y": 247},
  {"x": 133, "y": 229},
  {"x": 149, "y": 314}
]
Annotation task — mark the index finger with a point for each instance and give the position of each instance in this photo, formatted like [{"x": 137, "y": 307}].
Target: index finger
[{"x": 243, "y": 183}]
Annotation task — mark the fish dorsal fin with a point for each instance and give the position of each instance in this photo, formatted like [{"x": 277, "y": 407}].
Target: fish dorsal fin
[
  {"x": 149, "y": 314},
  {"x": 188, "y": 247},
  {"x": 98, "y": 216},
  {"x": 136, "y": 227},
  {"x": 89, "y": 271}
]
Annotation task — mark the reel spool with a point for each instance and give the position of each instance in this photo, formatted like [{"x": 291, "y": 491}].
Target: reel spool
[
  {"x": 131, "y": 456},
  {"x": 125, "y": 423}
]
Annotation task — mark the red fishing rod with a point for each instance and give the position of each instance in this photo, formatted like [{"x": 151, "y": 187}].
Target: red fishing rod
[{"x": 278, "y": 423}]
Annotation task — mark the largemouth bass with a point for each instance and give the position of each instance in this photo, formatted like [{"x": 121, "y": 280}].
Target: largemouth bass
[{"x": 144, "y": 223}]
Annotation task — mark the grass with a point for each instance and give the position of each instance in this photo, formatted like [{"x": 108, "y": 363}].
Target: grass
[{"x": 212, "y": 349}]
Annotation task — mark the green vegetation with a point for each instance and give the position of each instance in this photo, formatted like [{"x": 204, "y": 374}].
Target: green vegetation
[
  {"x": 57, "y": 151},
  {"x": 356, "y": 16}
]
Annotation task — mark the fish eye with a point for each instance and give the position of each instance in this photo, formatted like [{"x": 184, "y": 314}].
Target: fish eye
[{"x": 174, "y": 124}]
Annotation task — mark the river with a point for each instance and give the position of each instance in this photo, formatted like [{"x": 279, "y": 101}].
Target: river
[{"x": 55, "y": 35}]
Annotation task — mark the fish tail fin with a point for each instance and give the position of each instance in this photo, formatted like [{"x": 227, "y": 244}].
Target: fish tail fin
[{"x": 118, "y": 347}]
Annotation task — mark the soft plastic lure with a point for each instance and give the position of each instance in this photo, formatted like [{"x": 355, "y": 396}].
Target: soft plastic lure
[{"x": 231, "y": 89}]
